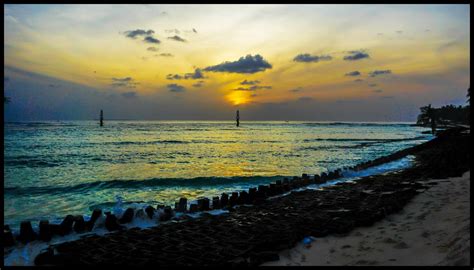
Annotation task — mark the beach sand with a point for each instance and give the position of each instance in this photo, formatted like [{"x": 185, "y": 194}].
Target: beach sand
[{"x": 433, "y": 229}]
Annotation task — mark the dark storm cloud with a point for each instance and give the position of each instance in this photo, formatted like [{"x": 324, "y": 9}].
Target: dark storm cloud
[
  {"x": 378, "y": 91},
  {"x": 379, "y": 72},
  {"x": 358, "y": 80},
  {"x": 245, "y": 82},
  {"x": 177, "y": 38},
  {"x": 123, "y": 82},
  {"x": 356, "y": 55},
  {"x": 399, "y": 32},
  {"x": 176, "y": 88},
  {"x": 138, "y": 32},
  {"x": 247, "y": 64},
  {"x": 307, "y": 58},
  {"x": 194, "y": 30},
  {"x": 151, "y": 39},
  {"x": 353, "y": 73},
  {"x": 166, "y": 54},
  {"x": 152, "y": 49},
  {"x": 372, "y": 84},
  {"x": 129, "y": 94}
]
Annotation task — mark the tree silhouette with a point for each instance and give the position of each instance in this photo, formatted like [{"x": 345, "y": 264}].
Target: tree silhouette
[{"x": 468, "y": 95}]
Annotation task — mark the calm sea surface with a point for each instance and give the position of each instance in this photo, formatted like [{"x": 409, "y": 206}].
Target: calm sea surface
[{"x": 56, "y": 168}]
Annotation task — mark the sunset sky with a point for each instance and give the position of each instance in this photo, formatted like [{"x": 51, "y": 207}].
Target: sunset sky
[{"x": 272, "y": 62}]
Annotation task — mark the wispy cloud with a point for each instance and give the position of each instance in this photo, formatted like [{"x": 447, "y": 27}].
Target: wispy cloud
[
  {"x": 297, "y": 89},
  {"x": 379, "y": 72},
  {"x": 197, "y": 74},
  {"x": 176, "y": 88},
  {"x": 177, "y": 38},
  {"x": 128, "y": 82},
  {"x": 353, "y": 73},
  {"x": 245, "y": 82},
  {"x": 307, "y": 58}
]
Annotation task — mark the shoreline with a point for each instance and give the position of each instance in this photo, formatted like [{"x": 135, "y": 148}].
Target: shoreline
[
  {"x": 433, "y": 229},
  {"x": 258, "y": 251}
]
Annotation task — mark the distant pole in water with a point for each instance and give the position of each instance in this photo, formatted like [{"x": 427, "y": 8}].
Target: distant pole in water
[
  {"x": 101, "y": 118},
  {"x": 237, "y": 118}
]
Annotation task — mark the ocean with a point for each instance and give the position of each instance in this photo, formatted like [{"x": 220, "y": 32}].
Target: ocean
[{"x": 56, "y": 168}]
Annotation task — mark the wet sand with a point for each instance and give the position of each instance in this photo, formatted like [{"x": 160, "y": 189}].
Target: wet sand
[{"x": 433, "y": 229}]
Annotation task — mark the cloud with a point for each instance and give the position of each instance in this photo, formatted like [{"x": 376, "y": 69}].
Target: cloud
[
  {"x": 139, "y": 32},
  {"x": 198, "y": 84},
  {"x": 353, "y": 73},
  {"x": 194, "y": 30},
  {"x": 151, "y": 39},
  {"x": 378, "y": 91},
  {"x": 166, "y": 54},
  {"x": 177, "y": 38},
  {"x": 306, "y": 57},
  {"x": 123, "y": 82},
  {"x": 358, "y": 80},
  {"x": 152, "y": 49},
  {"x": 129, "y": 94},
  {"x": 176, "y": 31},
  {"x": 174, "y": 77},
  {"x": 196, "y": 75},
  {"x": 379, "y": 72},
  {"x": 176, "y": 88},
  {"x": 254, "y": 88},
  {"x": 356, "y": 55},
  {"x": 245, "y": 82},
  {"x": 295, "y": 90},
  {"x": 247, "y": 64},
  {"x": 372, "y": 84},
  {"x": 399, "y": 32}
]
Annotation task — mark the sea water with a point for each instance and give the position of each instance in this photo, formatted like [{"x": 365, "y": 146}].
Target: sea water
[{"x": 52, "y": 169}]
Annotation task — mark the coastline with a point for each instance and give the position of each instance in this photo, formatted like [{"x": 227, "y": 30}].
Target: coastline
[
  {"x": 253, "y": 234},
  {"x": 433, "y": 229}
]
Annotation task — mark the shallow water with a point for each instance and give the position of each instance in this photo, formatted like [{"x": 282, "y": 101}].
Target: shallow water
[{"x": 56, "y": 168}]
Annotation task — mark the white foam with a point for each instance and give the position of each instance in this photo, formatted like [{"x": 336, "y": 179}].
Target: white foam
[{"x": 349, "y": 176}]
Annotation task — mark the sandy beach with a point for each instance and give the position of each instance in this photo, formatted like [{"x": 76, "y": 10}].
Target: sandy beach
[{"x": 432, "y": 229}]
